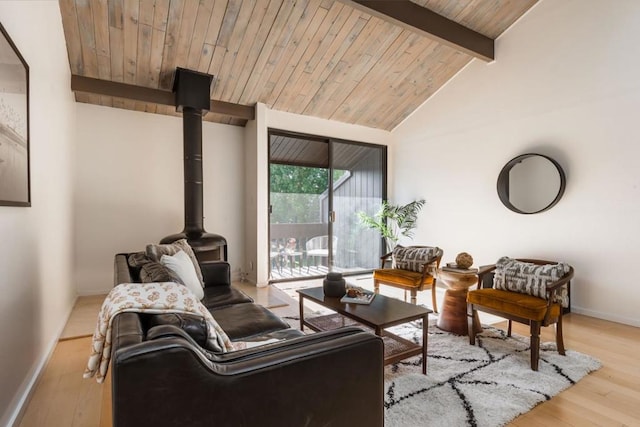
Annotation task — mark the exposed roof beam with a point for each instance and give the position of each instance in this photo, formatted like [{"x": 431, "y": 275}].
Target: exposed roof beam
[
  {"x": 155, "y": 96},
  {"x": 423, "y": 21},
  {"x": 121, "y": 90},
  {"x": 238, "y": 111}
]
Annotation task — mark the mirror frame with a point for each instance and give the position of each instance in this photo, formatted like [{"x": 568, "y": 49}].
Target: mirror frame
[{"x": 503, "y": 183}]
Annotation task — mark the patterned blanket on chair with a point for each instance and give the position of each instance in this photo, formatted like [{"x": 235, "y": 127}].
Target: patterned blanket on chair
[{"x": 165, "y": 297}]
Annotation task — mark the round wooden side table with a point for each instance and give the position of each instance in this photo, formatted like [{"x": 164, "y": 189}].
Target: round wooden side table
[{"x": 453, "y": 313}]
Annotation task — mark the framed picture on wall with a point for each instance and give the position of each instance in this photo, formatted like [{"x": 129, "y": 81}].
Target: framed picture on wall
[{"x": 15, "y": 185}]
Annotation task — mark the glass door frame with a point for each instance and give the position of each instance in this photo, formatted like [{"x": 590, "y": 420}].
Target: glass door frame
[{"x": 330, "y": 190}]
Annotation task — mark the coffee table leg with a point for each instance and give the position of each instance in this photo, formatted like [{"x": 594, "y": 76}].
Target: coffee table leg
[
  {"x": 300, "y": 298},
  {"x": 425, "y": 330}
]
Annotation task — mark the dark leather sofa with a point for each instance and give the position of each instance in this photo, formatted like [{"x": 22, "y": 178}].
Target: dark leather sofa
[{"x": 164, "y": 375}]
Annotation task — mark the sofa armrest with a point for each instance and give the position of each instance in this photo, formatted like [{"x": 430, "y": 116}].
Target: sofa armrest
[
  {"x": 216, "y": 273},
  {"x": 121, "y": 273},
  {"x": 270, "y": 349},
  {"x": 126, "y": 331},
  {"x": 330, "y": 380},
  {"x": 172, "y": 331}
]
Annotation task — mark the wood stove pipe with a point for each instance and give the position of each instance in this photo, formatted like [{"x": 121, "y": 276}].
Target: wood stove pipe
[
  {"x": 193, "y": 197},
  {"x": 192, "y": 99}
]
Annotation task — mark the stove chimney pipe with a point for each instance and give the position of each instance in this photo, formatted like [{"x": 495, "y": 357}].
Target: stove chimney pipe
[{"x": 192, "y": 99}]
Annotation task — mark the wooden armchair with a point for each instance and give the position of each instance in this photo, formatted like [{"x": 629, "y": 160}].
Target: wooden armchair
[
  {"x": 413, "y": 270},
  {"x": 545, "y": 279}
]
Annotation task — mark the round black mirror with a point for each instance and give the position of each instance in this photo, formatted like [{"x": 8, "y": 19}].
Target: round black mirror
[{"x": 531, "y": 183}]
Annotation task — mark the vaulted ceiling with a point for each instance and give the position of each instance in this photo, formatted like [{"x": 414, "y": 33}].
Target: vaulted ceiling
[{"x": 370, "y": 63}]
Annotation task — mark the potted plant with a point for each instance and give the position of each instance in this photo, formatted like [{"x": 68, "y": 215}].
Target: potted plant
[{"x": 393, "y": 221}]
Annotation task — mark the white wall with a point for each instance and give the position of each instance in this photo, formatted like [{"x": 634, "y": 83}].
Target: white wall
[
  {"x": 565, "y": 83},
  {"x": 36, "y": 280},
  {"x": 130, "y": 184}
]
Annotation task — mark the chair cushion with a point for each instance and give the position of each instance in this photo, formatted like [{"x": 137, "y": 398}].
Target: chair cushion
[
  {"x": 412, "y": 258},
  {"x": 514, "y": 303},
  {"x": 401, "y": 277},
  {"x": 531, "y": 279}
]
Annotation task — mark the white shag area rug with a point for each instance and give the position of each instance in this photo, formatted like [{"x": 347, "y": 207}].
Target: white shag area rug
[{"x": 485, "y": 385}]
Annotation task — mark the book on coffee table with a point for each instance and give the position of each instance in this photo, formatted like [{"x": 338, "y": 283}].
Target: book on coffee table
[
  {"x": 472, "y": 270},
  {"x": 363, "y": 297}
]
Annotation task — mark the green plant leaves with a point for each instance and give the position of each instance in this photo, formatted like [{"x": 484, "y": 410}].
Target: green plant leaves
[{"x": 393, "y": 221}]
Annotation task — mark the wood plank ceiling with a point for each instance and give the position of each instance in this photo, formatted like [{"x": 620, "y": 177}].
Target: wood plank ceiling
[{"x": 321, "y": 58}]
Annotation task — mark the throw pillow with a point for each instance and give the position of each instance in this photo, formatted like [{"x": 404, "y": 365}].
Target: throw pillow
[
  {"x": 155, "y": 252},
  {"x": 138, "y": 259},
  {"x": 412, "y": 258},
  {"x": 531, "y": 279},
  {"x": 155, "y": 272},
  {"x": 181, "y": 265},
  {"x": 135, "y": 261}
]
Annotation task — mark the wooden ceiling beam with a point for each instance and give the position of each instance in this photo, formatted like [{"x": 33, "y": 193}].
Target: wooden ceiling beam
[
  {"x": 155, "y": 96},
  {"x": 238, "y": 111},
  {"x": 423, "y": 21},
  {"x": 121, "y": 90}
]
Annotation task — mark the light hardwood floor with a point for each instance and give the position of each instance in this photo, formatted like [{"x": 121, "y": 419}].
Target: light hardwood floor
[{"x": 607, "y": 397}]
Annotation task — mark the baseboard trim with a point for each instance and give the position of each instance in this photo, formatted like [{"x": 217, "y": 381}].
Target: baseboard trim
[
  {"x": 606, "y": 316},
  {"x": 92, "y": 293},
  {"x": 76, "y": 337},
  {"x": 25, "y": 393}
]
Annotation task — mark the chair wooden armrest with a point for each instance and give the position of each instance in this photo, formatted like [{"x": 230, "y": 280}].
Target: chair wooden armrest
[
  {"x": 384, "y": 258},
  {"x": 551, "y": 293},
  {"x": 483, "y": 271},
  {"x": 563, "y": 281},
  {"x": 434, "y": 259}
]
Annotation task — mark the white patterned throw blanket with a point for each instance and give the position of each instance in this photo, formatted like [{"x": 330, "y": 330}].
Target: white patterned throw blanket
[{"x": 154, "y": 298}]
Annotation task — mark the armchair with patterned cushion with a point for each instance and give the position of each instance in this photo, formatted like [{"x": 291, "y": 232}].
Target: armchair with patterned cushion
[
  {"x": 529, "y": 291},
  {"x": 412, "y": 269}
]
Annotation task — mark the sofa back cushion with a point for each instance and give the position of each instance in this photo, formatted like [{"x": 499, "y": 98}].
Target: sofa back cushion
[
  {"x": 531, "y": 279},
  {"x": 413, "y": 258}
]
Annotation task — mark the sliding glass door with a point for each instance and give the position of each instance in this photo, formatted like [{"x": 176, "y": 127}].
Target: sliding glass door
[
  {"x": 317, "y": 187},
  {"x": 358, "y": 172}
]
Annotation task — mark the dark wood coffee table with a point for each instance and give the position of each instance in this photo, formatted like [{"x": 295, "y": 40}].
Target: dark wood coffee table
[{"x": 383, "y": 312}]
